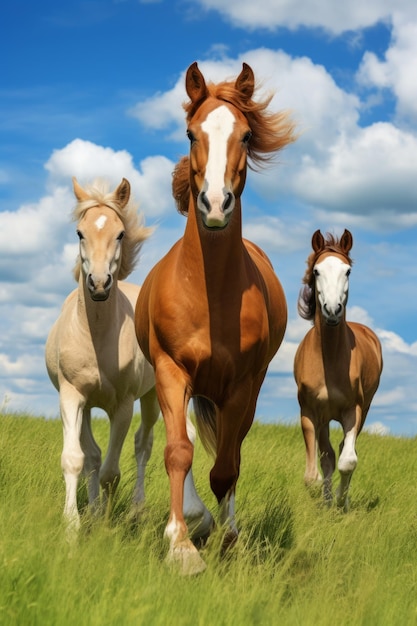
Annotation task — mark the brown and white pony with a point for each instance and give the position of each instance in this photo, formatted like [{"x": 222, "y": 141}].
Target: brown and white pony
[
  {"x": 212, "y": 313},
  {"x": 92, "y": 356},
  {"x": 337, "y": 366}
]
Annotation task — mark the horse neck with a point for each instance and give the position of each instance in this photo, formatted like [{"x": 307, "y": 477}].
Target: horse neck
[
  {"x": 333, "y": 340},
  {"x": 213, "y": 255}
]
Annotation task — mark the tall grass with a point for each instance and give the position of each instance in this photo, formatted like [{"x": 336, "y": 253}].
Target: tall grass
[{"x": 295, "y": 562}]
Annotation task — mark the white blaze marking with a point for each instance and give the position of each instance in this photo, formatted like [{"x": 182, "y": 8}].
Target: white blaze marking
[
  {"x": 100, "y": 221},
  {"x": 218, "y": 126},
  {"x": 332, "y": 282}
]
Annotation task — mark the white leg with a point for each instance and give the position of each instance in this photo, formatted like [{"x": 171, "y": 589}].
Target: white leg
[
  {"x": 72, "y": 458},
  {"x": 347, "y": 463},
  {"x": 227, "y": 520},
  {"x": 199, "y": 519},
  {"x": 143, "y": 444},
  {"x": 119, "y": 426}
]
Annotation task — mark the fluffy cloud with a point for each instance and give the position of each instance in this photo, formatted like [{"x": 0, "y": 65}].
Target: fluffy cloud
[{"x": 324, "y": 14}]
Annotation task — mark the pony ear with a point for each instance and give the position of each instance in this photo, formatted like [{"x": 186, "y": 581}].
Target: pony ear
[
  {"x": 245, "y": 82},
  {"x": 195, "y": 85},
  {"x": 79, "y": 192},
  {"x": 317, "y": 241},
  {"x": 122, "y": 193},
  {"x": 346, "y": 241}
]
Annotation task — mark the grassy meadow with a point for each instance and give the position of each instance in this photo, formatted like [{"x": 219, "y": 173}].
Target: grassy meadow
[{"x": 295, "y": 562}]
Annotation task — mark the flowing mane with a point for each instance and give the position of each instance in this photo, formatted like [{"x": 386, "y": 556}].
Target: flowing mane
[
  {"x": 307, "y": 298},
  {"x": 135, "y": 231},
  {"x": 270, "y": 131}
]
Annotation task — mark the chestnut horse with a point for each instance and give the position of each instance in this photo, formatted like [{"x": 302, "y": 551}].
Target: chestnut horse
[
  {"x": 337, "y": 366},
  {"x": 212, "y": 313},
  {"x": 92, "y": 356}
]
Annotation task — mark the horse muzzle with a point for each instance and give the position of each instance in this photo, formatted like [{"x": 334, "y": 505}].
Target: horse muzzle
[
  {"x": 99, "y": 288},
  {"x": 216, "y": 211}
]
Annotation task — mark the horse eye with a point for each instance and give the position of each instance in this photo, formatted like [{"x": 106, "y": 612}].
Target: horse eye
[
  {"x": 348, "y": 272},
  {"x": 316, "y": 272},
  {"x": 190, "y": 136},
  {"x": 120, "y": 237},
  {"x": 246, "y": 137},
  {"x": 80, "y": 235}
]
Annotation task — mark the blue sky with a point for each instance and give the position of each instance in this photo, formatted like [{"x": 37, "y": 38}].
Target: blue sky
[{"x": 95, "y": 88}]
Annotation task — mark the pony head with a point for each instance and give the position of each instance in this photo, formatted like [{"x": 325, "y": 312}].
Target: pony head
[
  {"x": 327, "y": 278},
  {"x": 110, "y": 233}
]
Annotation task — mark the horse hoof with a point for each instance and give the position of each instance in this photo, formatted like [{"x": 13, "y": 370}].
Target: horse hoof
[
  {"x": 229, "y": 540},
  {"x": 185, "y": 559}
]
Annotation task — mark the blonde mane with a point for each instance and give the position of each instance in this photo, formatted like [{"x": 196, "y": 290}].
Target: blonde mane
[{"x": 135, "y": 230}]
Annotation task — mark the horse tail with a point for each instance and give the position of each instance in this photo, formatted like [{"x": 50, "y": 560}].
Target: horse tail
[{"x": 206, "y": 418}]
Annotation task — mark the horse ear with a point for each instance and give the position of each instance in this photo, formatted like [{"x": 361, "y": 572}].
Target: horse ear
[
  {"x": 245, "y": 82},
  {"x": 122, "y": 193},
  {"x": 79, "y": 192},
  {"x": 346, "y": 241},
  {"x": 317, "y": 241},
  {"x": 195, "y": 84}
]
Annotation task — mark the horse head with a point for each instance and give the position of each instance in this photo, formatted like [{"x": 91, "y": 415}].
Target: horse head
[
  {"x": 331, "y": 272},
  {"x": 100, "y": 231},
  {"x": 219, "y": 135}
]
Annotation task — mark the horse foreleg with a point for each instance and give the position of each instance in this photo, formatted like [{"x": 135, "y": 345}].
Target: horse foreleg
[
  {"x": 233, "y": 424},
  {"x": 72, "y": 457},
  {"x": 173, "y": 400},
  {"x": 348, "y": 459},
  {"x": 110, "y": 470},
  {"x": 149, "y": 410},
  {"x": 199, "y": 520},
  {"x": 92, "y": 460}
]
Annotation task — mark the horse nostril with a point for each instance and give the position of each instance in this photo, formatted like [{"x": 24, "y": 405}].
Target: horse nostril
[
  {"x": 228, "y": 201},
  {"x": 204, "y": 200},
  {"x": 108, "y": 282},
  {"x": 90, "y": 282},
  {"x": 339, "y": 309}
]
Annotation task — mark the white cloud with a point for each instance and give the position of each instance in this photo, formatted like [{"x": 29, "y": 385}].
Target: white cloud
[
  {"x": 326, "y": 14},
  {"x": 399, "y": 64}
]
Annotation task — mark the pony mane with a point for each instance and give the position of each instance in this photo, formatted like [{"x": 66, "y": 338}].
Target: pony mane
[
  {"x": 133, "y": 223},
  {"x": 270, "y": 131},
  {"x": 307, "y": 299}
]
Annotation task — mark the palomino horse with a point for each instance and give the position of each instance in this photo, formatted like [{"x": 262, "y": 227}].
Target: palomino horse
[
  {"x": 212, "y": 313},
  {"x": 92, "y": 356},
  {"x": 337, "y": 366}
]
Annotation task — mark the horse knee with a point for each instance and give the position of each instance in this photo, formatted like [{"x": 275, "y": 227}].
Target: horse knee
[
  {"x": 178, "y": 456},
  {"x": 72, "y": 462},
  {"x": 347, "y": 463},
  {"x": 221, "y": 484}
]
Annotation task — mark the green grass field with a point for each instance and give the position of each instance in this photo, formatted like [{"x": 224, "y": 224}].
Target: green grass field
[{"x": 295, "y": 562}]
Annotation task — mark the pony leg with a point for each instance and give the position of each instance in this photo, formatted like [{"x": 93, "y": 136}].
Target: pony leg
[
  {"x": 72, "y": 457},
  {"x": 110, "y": 470},
  {"x": 327, "y": 462},
  {"x": 149, "y": 410},
  {"x": 312, "y": 476},
  {"x": 199, "y": 520},
  {"x": 173, "y": 399},
  {"x": 348, "y": 460},
  {"x": 92, "y": 460}
]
